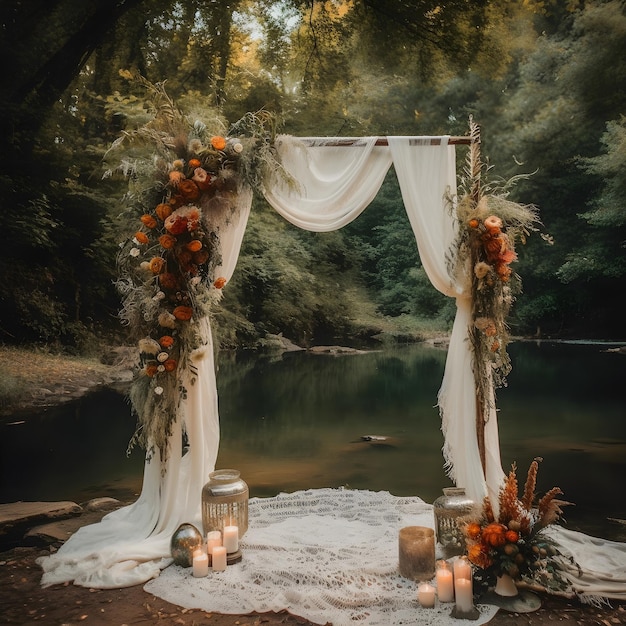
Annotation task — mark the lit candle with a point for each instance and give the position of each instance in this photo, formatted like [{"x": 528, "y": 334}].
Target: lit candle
[
  {"x": 426, "y": 596},
  {"x": 231, "y": 539},
  {"x": 462, "y": 568},
  {"x": 445, "y": 582},
  {"x": 213, "y": 538},
  {"x": 416, "y": 552},
  {"x": 463, "y": 591},
  {"x": 200, "y": 564},
  {"x": 218, "y": 559}
]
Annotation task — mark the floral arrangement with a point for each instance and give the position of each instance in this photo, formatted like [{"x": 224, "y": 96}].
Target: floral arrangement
[
  {"x": 183, "y": 188},
  {"x": 513, "y": 542},
  {"x": 490, "y": 227}
]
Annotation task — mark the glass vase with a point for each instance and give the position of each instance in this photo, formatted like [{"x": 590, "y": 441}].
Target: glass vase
[
  {"x": 451, "y": 510},
  {"x": 225, "y": 502}
]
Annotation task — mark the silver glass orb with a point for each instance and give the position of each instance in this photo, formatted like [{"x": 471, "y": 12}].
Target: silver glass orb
[{"x": 185, "y": 540}]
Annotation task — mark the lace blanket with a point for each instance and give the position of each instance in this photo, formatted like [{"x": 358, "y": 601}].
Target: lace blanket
[{"x": 326, "y": 555}]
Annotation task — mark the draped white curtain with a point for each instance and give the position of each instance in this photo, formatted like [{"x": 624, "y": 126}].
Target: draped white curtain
[
  {"x": 327, "y": 187},
  {"x": 131, "y": 545}
]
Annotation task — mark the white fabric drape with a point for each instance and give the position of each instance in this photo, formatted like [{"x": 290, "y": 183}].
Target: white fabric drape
[
  {"x": 330, "y": 186},
  {"x": 428, "y": 176},
  {"x": 131, "y": 545},
  {"x": 327, "y": 187}
]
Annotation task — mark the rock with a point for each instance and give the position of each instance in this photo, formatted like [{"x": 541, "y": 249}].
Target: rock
[
  {"x": 334, "y": 350},
  {"x": 288, "y": 345},
  {"x": 17, "y": 517},
  {"x": 61, "y": 530},
  {"x": 102, "y": 504}
]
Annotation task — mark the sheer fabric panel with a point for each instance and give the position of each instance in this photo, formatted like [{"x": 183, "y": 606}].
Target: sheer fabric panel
[
  {"x": 327, "y": 186},
  {"x": 427, "y": 177}
]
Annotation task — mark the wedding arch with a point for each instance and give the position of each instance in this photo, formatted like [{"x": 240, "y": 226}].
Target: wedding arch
[{"x": 195, "y": 218}]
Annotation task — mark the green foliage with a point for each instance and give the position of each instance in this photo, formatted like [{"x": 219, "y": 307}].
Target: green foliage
[
  {"x": 546, "y": 81},
  {"x": 288, "y": 281}
]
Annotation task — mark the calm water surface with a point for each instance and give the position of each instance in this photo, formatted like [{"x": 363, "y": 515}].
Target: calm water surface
[{"x": 297, "y": 421}]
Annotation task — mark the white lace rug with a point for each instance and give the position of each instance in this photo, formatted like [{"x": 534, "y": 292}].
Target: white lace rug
[{"x": 328, "y": 555}]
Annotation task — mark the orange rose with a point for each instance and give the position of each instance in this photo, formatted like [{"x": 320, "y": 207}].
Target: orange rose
[
  {"x": 167, "y": 241},
  {"x": 163, "y": 211},
  {"x": 473, "y": 223},
  {"x": 188, "y": 189},
  {"x": 193, "y": 163},
  {"x": 148, "y": 220},
  {"x": 194, "y": 245},
  {"x": 157, "y": 263},
  {"x": 494, "y": 246},
  {"x": 511, "y": 536},
  {"x": 141, "y": 237},
  {"x": 151, "y": 369},
  {"x": 494, "y": 534},
  {"x": 183, "y": 313},
  {"x": 219, "y": 143},
  {"x": 219, "y": 282},
  {"x": 167, "y": 341},
  {"x": 495, "y": 346},
  {"x": 176, "y": 224},
  {"x": 170, "y": 365},
  {"x": 493, "y": 224},
  {"x": 202, "y": 178},
  {"x": 508, "y": 256}
]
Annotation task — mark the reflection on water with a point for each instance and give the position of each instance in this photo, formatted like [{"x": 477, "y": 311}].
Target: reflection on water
[{"x": 298, "y": 421}]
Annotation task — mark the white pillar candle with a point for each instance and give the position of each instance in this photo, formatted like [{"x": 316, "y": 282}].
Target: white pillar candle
[
  {"x": 218, "y": 559},
  {"x": 200, "y": 564},
  {"x": 426, "y": 596},
  {"x": 231, "y": 539},
  {"x": 463, "y": 591},
  {"x": 445, "y": 582},
  {"x": 213, "y": 538},
  {"x": 462, "y": 568}
]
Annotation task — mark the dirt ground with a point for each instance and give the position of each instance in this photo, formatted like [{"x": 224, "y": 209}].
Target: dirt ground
[{"x": 23, "y": 601}]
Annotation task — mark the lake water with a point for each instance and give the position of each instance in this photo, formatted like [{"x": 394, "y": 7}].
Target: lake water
[{"x": 297, "y": 421}]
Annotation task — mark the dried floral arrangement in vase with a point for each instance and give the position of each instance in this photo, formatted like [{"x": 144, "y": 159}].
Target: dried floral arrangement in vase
[{"x": 511, "y": 544}]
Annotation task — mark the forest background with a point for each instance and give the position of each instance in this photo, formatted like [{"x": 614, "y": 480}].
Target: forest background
[{"x": 545, "y": 80}]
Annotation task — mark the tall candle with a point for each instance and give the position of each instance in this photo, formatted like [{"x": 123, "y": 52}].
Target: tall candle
[
  {"x": 200, "y": 564},
  {"x": 213, "y": 538},
  {"x": 445, "y": 582},
  {"x": 462, "y": 568},
  {"x": 218, "y": 560},
  {"x": 463, "y": 591},
  {"x": 231, "y": 539},
  {"x": 426, "y": 596}
]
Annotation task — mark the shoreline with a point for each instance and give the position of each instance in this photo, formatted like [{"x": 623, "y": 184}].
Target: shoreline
[{"x": 23, "y": 601}]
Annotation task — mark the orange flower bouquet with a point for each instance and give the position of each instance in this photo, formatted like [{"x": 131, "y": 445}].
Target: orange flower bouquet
[
  {"x": 184, "y": 181},
  {"x": 513, "y": 542}
]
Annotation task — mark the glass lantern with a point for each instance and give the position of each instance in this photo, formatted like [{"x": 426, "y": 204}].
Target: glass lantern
[
  {"x": 225, "y": 502},
  {"x": 451, "y": 511}
]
